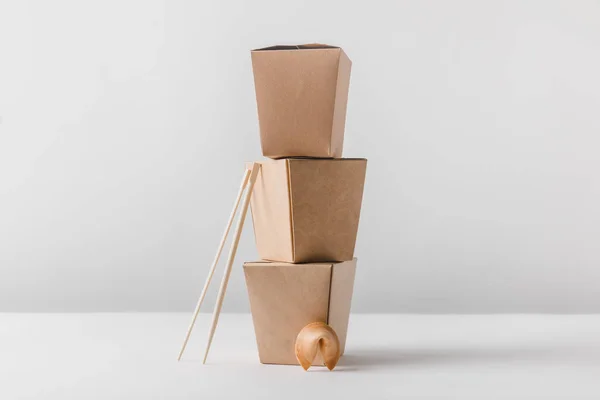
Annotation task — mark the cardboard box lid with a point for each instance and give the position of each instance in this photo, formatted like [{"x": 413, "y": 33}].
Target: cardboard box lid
[{"x": 286, "y": 297}]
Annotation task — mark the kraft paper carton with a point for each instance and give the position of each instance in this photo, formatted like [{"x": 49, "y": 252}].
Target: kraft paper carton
[
  {"x": 301, "y": 94},
  {"x": 307, "y": 210},
  {"x": 284, "y": 298}
]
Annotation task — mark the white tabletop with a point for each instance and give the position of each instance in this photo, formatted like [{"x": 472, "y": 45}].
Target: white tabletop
[{"x": 133, "y": 356}]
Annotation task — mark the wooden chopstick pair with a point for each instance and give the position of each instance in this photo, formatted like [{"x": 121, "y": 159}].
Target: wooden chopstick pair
[{"x": 248, "y": 181}]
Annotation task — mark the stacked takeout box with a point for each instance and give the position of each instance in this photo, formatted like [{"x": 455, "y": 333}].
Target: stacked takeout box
[{"x": 306, "y": 200}]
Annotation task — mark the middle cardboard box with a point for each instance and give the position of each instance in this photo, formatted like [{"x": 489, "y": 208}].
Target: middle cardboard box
[{"x": 307, "y": 210}]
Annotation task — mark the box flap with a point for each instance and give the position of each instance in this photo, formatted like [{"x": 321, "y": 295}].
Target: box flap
[
  {"x": 336, "y": 145},
  {"x": 271, "y": 202},
  {"x": 340, "y": 299}
]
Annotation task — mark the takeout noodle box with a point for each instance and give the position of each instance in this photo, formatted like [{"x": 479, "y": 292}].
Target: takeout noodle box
[
  {"x": 307, "y": 210},
  {"x": 301, "y": 94},
  {"x": 284, "y": 298}
]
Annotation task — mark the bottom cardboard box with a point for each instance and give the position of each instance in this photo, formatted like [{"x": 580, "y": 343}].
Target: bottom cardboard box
[{"x": 286, "y": 297}]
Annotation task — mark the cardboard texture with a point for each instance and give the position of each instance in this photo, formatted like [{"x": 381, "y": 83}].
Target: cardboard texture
[
  {"x": 301, "y": 95},
  {"x": 307, "y": 210},
  {"x": 285, "y": 297}
]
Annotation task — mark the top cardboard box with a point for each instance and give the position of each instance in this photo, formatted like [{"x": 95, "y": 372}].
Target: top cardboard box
[{"x": 301, "y": 95}]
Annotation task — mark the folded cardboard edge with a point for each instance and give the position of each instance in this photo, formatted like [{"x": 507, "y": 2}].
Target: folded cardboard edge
[
  {"x": 290, "y": 216},
  {"x": 330, "y": 149},
  {"x": 249, "y": 166},
  {"x": 279, "y": 158},
  {"x": 320, "y": 158},
  {"x": 329, "y": 294},
  {"x": 341, "y": 289},
  {"x": 296, "y": 158},
  {"x": 264, "y": 263},
  {"x": 342, "y": 87}
]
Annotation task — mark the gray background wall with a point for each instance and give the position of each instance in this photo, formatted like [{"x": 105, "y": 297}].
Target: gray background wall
[{"x": 124, "y": 126}]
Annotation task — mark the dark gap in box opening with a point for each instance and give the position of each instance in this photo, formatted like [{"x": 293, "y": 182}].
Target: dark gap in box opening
[{"x": 297, "y": 47}]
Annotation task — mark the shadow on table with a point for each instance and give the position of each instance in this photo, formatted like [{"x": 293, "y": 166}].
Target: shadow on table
[{"x": 380, "y": 358}]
